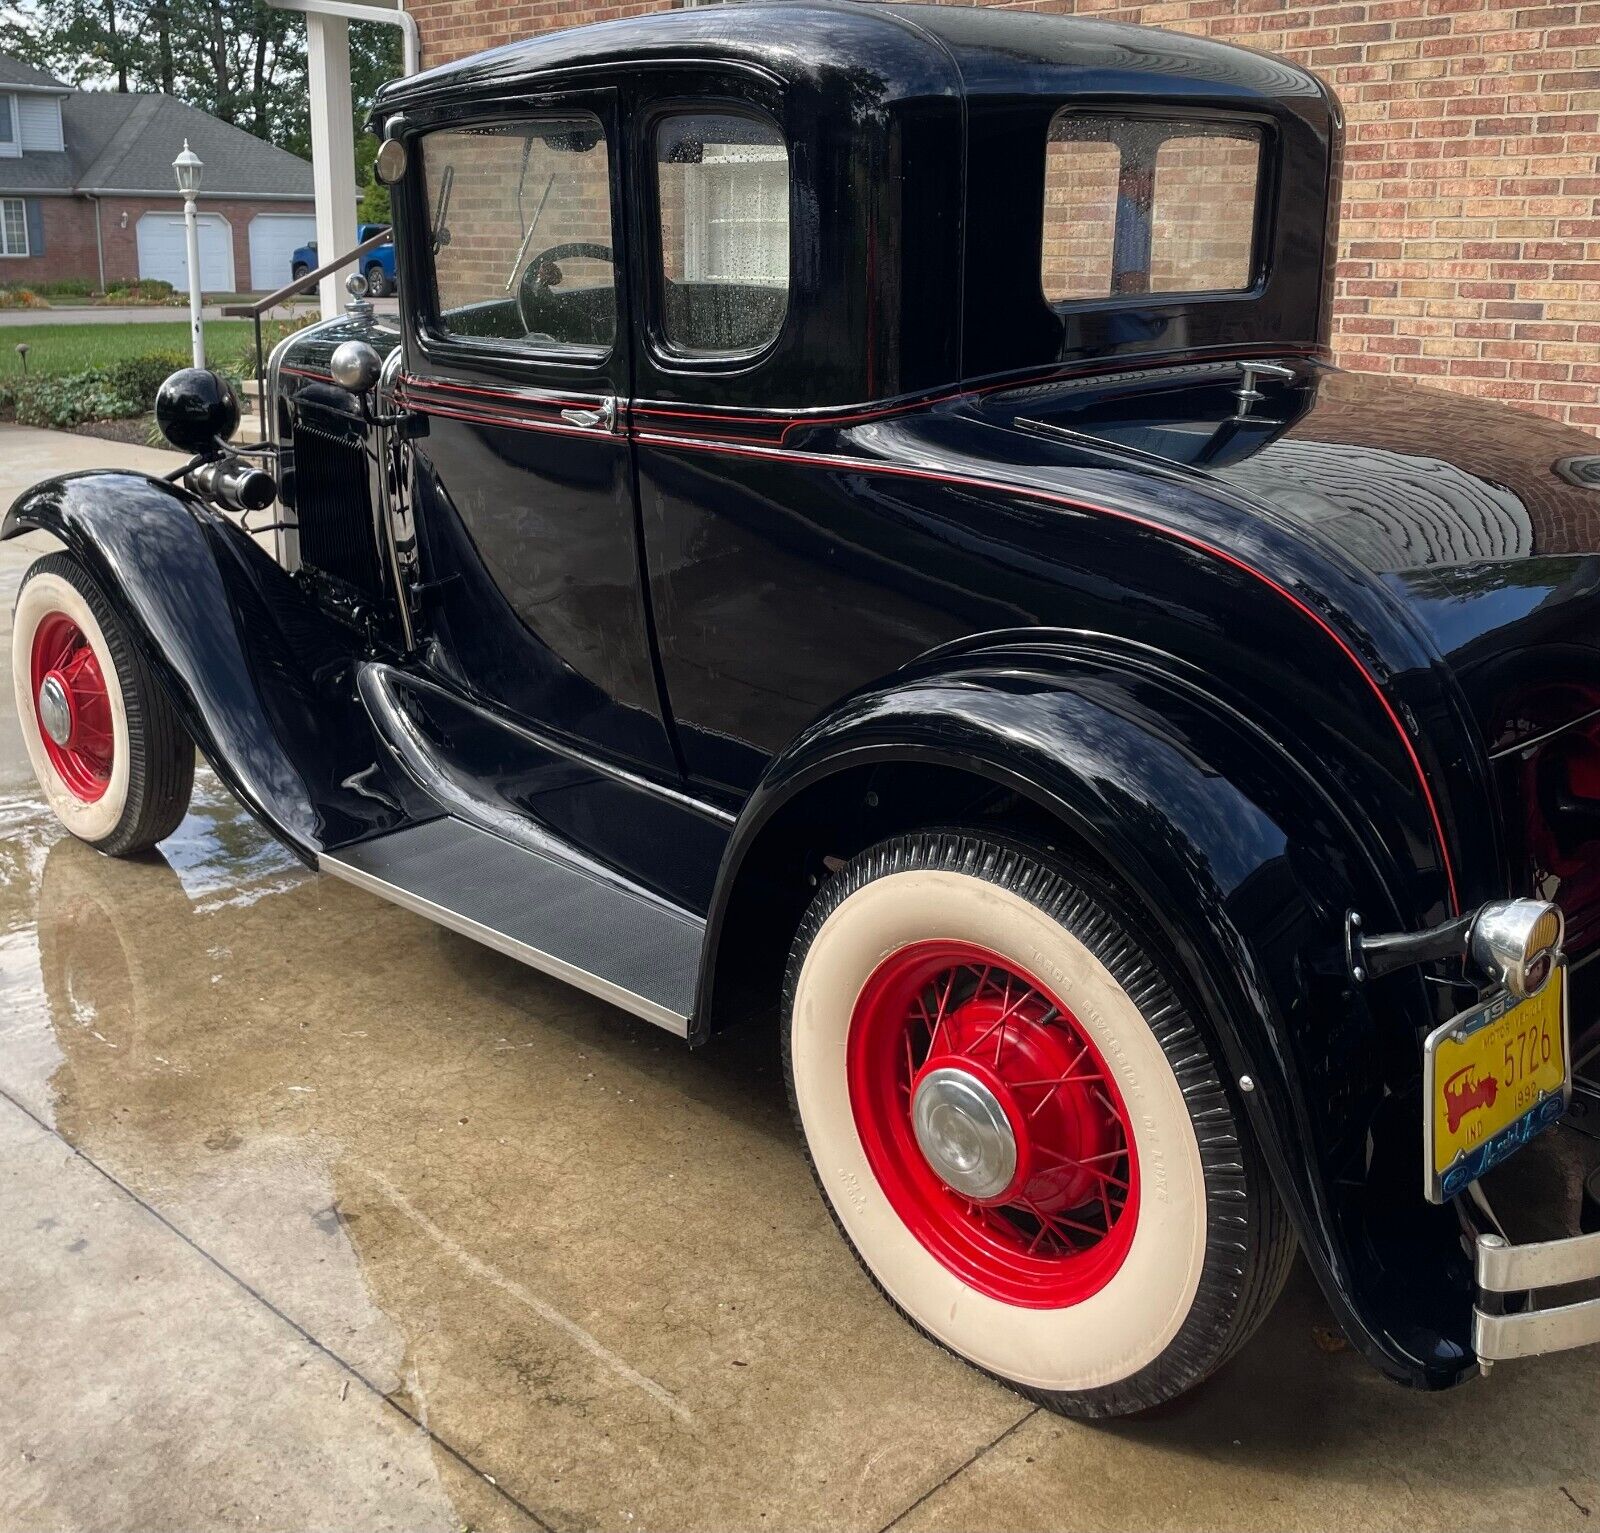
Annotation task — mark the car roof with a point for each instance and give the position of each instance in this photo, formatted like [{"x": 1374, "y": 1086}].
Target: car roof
[{"x": 909, "y": 50}]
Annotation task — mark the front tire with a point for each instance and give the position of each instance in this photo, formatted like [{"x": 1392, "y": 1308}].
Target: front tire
[
  {"x": 110, "y": 755},
  {"x": 377, "y": 281},
  {"x": 1021, "y": 1129}
]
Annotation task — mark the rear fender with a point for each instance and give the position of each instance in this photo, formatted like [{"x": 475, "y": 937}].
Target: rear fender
[
  {"x": 1244, "y": 868},
  {"x": 261, "y": 678}
]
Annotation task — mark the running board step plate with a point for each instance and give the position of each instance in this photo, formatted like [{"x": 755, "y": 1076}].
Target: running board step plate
[{"x": 625, "y": 947}]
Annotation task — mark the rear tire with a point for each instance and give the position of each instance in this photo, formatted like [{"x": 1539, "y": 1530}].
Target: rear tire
[
  {"x": 1138, "y": 1242},
  {"x": 299, "y": 270},
  {"x": 110, "y": 755},
  {"x": 377, "y": 281}
]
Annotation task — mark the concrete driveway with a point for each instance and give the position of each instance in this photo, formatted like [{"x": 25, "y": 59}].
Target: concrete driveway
[{"x": 313, "y": 1215}]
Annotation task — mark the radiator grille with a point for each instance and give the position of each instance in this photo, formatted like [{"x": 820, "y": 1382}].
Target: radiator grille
[{"x": 333, "y": 501}]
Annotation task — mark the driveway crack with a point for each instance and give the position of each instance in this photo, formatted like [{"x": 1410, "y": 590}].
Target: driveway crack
[
  {"x": 959, "y": 1470},
  {"x": 288, "y": 1320}
]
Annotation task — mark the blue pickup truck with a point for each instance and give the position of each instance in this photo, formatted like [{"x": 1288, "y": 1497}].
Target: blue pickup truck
[{"x": 377, "y": 265}]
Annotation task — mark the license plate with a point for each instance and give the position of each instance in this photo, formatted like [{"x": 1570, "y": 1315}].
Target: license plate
[{"x": 1493, "y": 1077}]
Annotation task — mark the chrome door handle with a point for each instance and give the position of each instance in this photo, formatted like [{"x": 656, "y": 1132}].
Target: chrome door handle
[{"x": 604, "y": 415}]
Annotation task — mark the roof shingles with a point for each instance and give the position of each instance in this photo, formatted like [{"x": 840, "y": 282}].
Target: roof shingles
[
  {"x": 15, "y": 72},
  {"x": 126, "y": 143}
]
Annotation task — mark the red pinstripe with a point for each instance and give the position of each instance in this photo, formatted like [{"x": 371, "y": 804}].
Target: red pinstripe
[
  {"x": 906, "y": 471},
  {"x": 972, "y": 481}
]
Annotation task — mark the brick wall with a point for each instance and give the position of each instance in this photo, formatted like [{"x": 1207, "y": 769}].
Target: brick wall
[
  {"x": 570, "y": 188},
  {"x": 1470, "y": 245},
  {"x": 68, "y": 244}
]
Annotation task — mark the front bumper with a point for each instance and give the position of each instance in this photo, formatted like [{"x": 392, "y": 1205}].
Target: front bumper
[{"x": 1505, "y": 1271}]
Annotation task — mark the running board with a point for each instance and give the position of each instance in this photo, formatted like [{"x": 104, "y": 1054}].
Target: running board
[{"x": 632, "y": 949}]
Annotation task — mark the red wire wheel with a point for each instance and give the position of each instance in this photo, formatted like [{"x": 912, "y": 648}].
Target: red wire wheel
[
  {"x": 992, "y": 1124},
  {"x": 72, "y": 707}
]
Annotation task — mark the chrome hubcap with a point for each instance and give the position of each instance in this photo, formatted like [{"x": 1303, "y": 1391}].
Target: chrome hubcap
[
  {"x": 964, "y": 1133},
  {"x": 55, "y": 712}
]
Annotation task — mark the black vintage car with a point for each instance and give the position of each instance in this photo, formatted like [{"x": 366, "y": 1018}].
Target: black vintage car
[{"x": 856, "y": 530}]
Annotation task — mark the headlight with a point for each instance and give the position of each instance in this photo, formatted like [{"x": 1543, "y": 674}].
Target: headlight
[{"x": 1517, "y": 942}]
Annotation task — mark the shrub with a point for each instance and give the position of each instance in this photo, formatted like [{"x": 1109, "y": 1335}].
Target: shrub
[
  {"x": 21, "y": 298},
  {"x": 114, "y": 392},
  {"x": 145, "y": 290},
  {"x": 65, "y": 287},
  {"x": 138, "y": 378}
]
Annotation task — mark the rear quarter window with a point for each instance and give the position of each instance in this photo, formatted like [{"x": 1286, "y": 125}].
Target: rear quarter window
[
  {"x": 1140, "y": 205},
  {"x": 722, "y": 205}
]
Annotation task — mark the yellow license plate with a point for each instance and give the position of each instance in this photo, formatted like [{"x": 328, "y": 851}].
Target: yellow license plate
[{"x": 1493, "y": 1077}]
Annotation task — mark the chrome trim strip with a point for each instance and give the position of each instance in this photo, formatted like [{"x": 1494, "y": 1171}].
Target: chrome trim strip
[
  {"x": 286, "y": 536},
  {"x": 534, "y": 957},
  {"x": 1502, "y": 1338},
  {"x": 387, "y": 448},
  {"x": 1504, "y": 1268}
]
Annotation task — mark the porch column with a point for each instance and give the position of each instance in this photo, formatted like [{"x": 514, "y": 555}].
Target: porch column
[{"x": 333, "y": 148}]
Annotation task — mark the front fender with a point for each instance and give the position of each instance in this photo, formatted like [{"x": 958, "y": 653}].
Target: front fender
[
  {"x": 262, "y": 680},
  {"x": 1243, "y": 867}
]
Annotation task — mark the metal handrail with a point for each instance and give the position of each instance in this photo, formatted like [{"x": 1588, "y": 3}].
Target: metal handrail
[{"x": 254, "y": 311}]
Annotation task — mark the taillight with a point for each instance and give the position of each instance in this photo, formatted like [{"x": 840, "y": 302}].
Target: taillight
[{"x": 1517, "y": 942}]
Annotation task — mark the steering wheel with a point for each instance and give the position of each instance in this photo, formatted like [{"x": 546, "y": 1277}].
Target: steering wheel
[{"x": 541, "y": 274}]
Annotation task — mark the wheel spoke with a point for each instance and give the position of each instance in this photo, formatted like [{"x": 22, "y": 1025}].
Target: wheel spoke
[
  {"x": 1058, "y": 1226},
  {"x": 1081, "y": 1165},
  {"x": 71, "y": 640},
  {"x": 81, "y": 669},
  {"x": 970, "y": 1013},
  {"x": 999, "y": 1022}
]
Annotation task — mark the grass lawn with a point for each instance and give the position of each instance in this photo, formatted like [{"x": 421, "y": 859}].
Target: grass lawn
[{"x": 77, "y": 348}]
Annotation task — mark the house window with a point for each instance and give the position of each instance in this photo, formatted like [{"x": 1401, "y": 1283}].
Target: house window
[
  {"x": 722, "y": 198},
  {"x": 1139, "y": 205},
  {"x": 521, "y": 224},
  {"x": 10, "y": 135},
  {"x": 13, "y": 227}
]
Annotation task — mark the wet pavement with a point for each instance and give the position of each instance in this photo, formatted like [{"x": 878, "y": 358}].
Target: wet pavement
[{"x": 315, "y": 1215}]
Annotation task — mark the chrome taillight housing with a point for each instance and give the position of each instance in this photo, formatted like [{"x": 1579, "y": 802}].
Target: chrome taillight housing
[{"x": 1517, "y": 942}]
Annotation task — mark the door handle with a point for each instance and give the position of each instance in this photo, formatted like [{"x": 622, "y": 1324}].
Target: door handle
[{"x": 603, "y": 416}]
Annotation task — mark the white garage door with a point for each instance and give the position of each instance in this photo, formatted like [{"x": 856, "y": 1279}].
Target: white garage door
[
  {"x": 274, "y": 238},
  {"x": 163, "y": 253}
]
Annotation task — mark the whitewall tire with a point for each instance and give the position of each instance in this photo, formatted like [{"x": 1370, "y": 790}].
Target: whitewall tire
[
  {"x": 1019, "y": 1127},
  {"x": 111, "y": 758}
]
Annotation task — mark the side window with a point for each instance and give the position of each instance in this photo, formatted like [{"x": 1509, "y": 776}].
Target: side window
[
  {"x": 722, "y": 188},
  {"x": 1139, "y": 205},
  {"x": 520, "y": 219}
]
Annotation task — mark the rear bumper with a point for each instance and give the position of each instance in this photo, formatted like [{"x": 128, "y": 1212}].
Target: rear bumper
[{"x": 1505, "y": 1270}]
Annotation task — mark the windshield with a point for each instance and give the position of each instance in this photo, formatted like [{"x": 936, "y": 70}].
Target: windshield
[{"x": 521, "y": 221}]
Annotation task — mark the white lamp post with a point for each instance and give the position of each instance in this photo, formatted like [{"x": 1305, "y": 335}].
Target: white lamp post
[{"x": 187, "y": 167}]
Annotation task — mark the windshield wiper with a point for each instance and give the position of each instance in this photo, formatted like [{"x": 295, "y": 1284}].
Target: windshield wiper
[
  {"x": 442, "y": 207},
  {"x": 522, "y": 249}
]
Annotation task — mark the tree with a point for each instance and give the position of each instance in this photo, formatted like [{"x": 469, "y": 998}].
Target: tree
[{"x": 240, "y": 60}]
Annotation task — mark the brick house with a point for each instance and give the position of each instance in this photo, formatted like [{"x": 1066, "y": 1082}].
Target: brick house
[
  {"x": 87, "y": 191},
  {"x": 1470, "y": 237}
]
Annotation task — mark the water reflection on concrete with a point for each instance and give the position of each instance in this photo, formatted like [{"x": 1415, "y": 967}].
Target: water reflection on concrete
[{"x": 593, "y": 1264}]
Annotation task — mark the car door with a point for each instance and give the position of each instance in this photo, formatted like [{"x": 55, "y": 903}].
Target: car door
[{"x": 517, "y": 364}]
